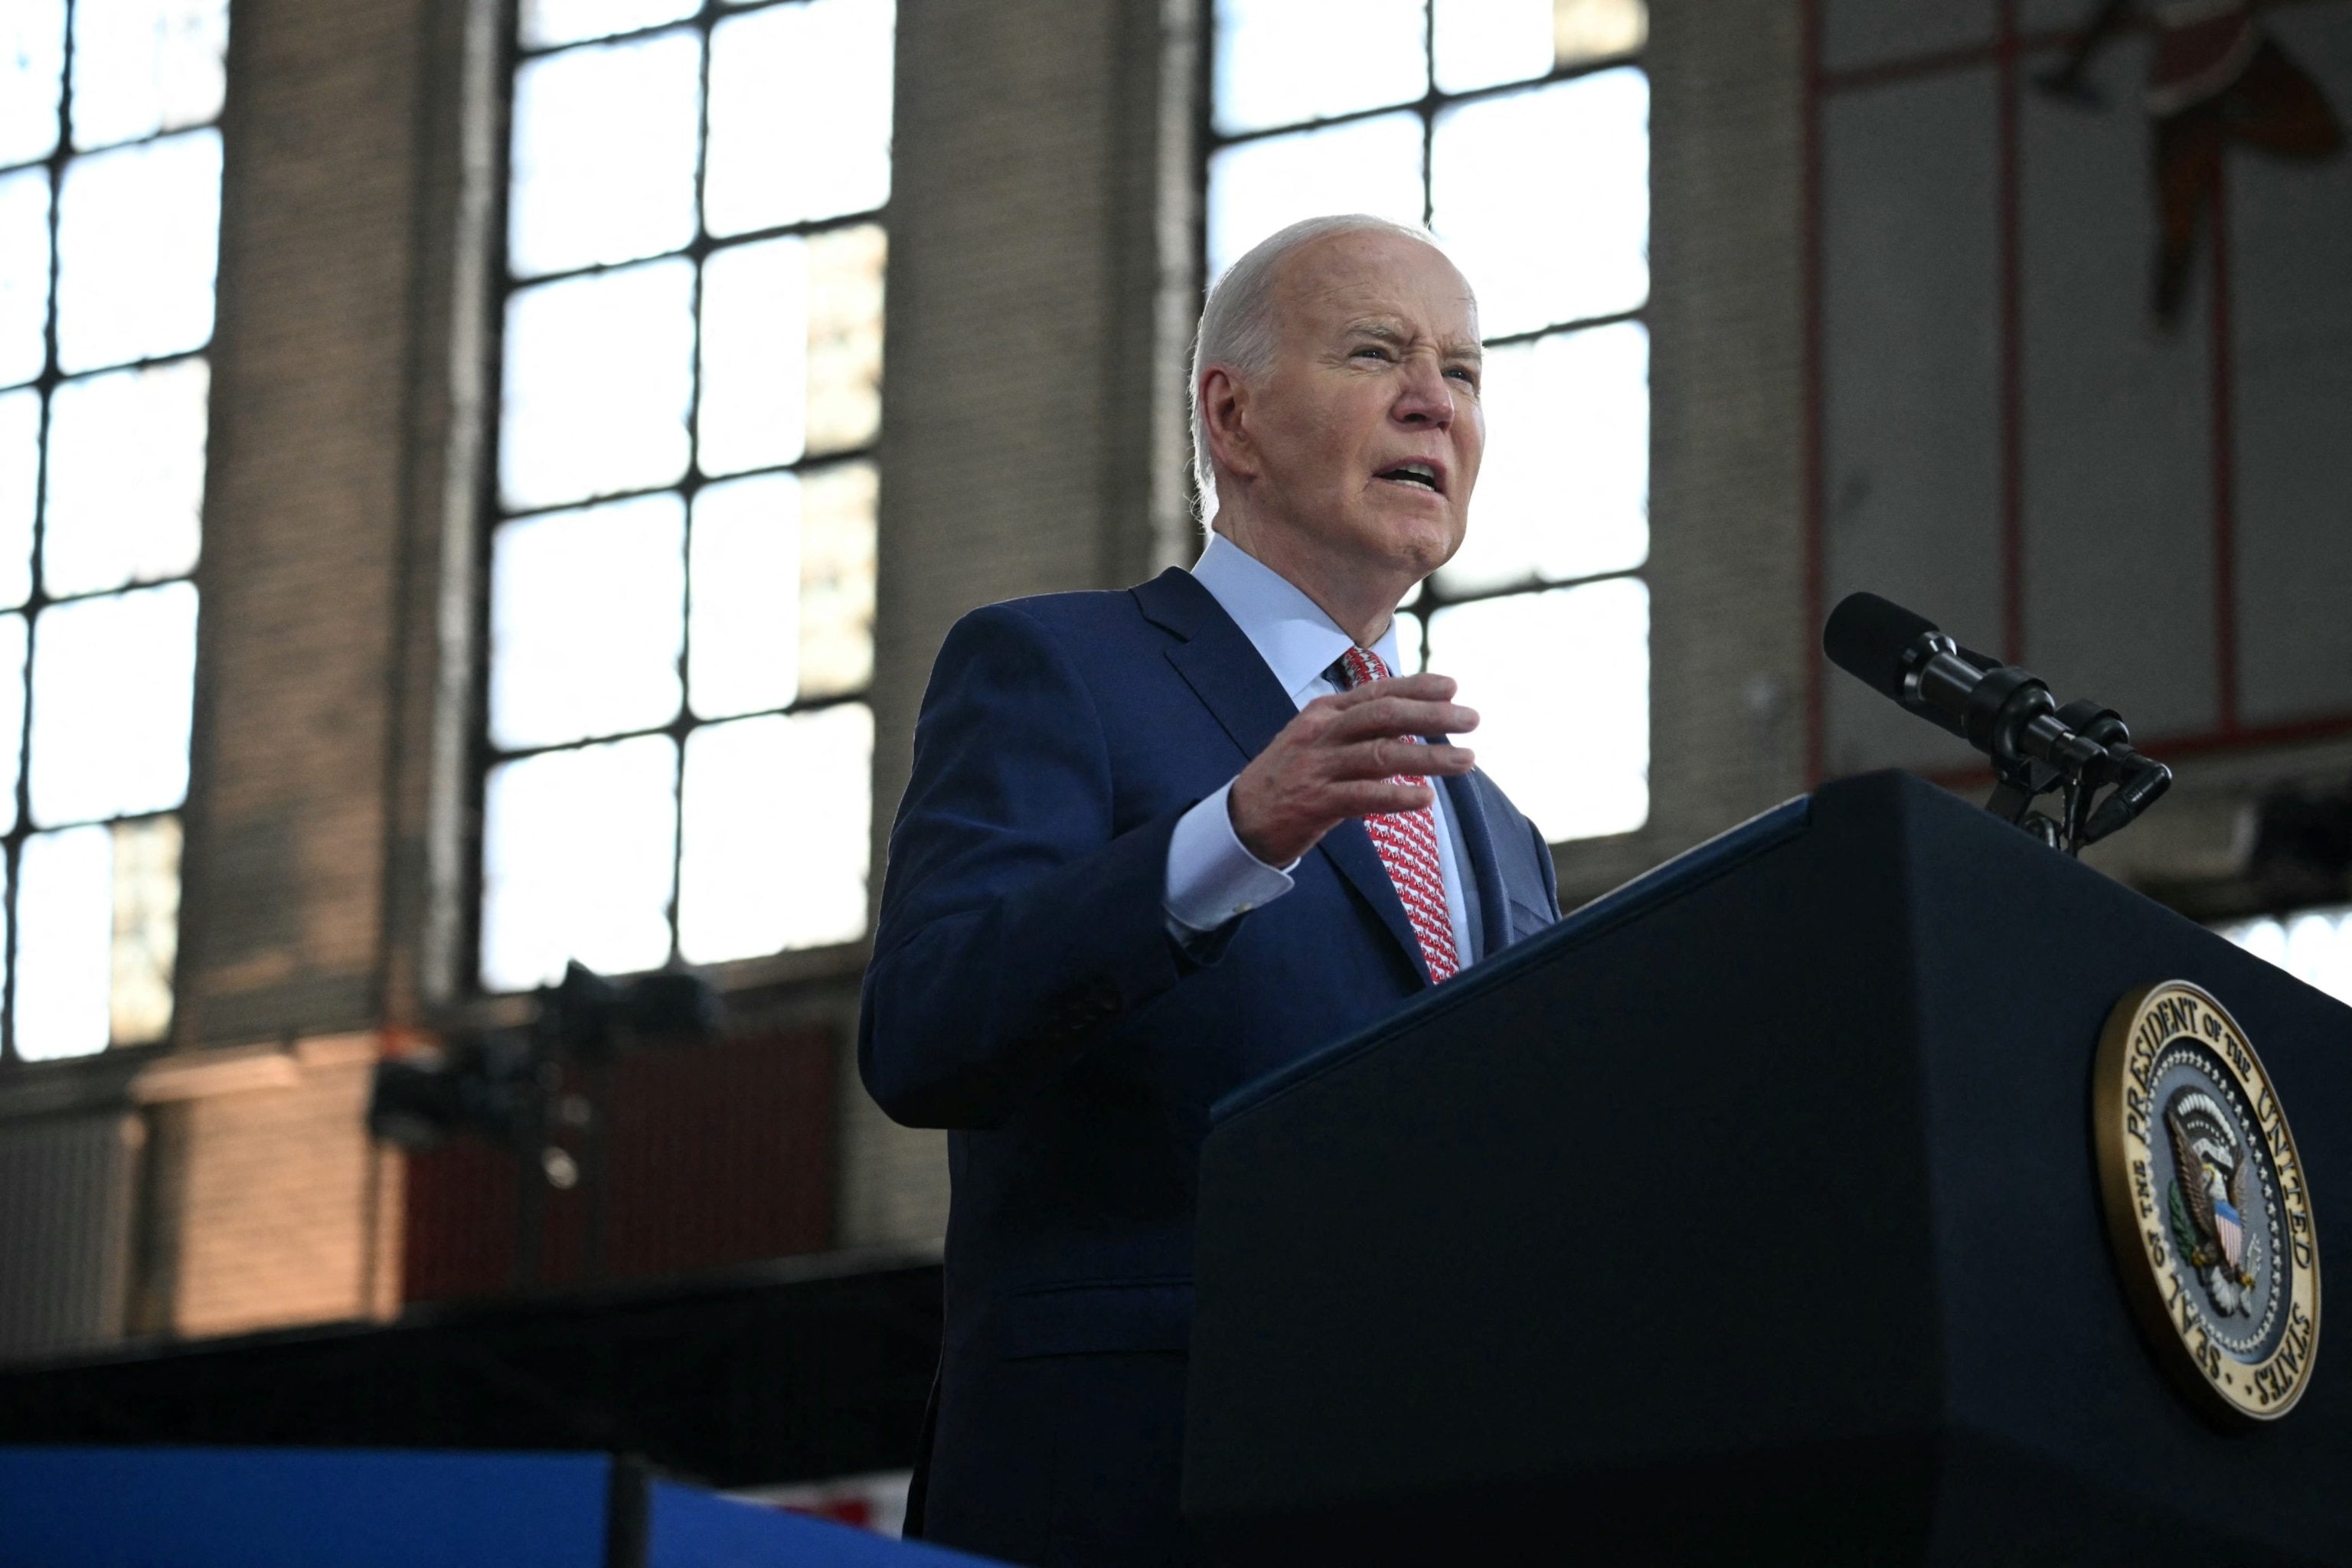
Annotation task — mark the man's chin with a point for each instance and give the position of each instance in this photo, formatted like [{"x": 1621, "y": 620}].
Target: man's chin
[{"x": 1419, "y": 545}]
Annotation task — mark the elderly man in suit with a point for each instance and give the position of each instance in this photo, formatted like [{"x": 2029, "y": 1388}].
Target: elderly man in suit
[{"x": 1159, "y": 842}]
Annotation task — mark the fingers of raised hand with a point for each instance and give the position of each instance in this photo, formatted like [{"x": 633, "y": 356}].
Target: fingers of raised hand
[
  {"x": 1375, "y": 797},
  {"x": 1384, "y": 756},
  {"x": 1413, "y": 688},
  {"x": 1403, "y": 716},
  {"x": 1425, "y": 688}
]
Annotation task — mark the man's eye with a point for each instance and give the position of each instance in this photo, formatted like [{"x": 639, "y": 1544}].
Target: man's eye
[
  {"x": 1469, "y": 378},
  {"x": 1374, "y": 349}
]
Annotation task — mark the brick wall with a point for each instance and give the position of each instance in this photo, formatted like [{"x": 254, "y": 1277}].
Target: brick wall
[
  {"x": 304, "y": 502},
  {"x": 334, "y": 373},
  {"x": 269, "y": 1204}
]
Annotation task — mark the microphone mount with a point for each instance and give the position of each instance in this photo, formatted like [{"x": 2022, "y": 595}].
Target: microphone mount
[{"x": 2037, "y": 746}]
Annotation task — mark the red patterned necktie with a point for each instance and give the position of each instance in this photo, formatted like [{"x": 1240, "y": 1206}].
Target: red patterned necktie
[{"x": 1407, "y": 841}]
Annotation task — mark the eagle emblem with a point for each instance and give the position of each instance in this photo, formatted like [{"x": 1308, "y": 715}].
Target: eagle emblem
[
  {"x": 2207, "y": 1207},
  {"x": 2214, "y": 1188}
]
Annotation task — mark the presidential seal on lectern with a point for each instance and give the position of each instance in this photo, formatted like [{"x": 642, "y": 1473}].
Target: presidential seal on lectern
[{"x": 2205, "y": 1203}]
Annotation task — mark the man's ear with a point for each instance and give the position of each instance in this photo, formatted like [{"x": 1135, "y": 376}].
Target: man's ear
[{"x": 1224, "y": 402}]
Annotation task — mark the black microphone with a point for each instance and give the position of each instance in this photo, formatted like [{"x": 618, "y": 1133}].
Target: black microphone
[{"x": 2004, "y": 712}]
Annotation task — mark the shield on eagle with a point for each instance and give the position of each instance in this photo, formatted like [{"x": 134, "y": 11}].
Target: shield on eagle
[{"x": 2214, "y": 1186}]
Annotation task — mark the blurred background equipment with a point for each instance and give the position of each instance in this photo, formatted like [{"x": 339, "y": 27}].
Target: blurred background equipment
[
  {"x": 493, "y": 1084},
  {"x": 543, "y": 1093},
  {"x": 2302, "y": 849}
]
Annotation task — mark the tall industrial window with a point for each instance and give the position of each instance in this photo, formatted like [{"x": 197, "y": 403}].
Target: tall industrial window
[
  {"x": 110, "y": 221},
  {"x": 681, "y": 578},
  {"x": 1518, "y": 131}
]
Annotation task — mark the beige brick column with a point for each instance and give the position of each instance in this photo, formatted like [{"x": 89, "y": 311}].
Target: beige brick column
[
  {"x": 331, "y": 546},
  {"x": 1041, "y": 285},
  {"x": 324, "y": 854}
]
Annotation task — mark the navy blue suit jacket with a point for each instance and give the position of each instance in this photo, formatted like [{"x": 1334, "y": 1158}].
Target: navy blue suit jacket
[{"x": 1025, "y": 993}]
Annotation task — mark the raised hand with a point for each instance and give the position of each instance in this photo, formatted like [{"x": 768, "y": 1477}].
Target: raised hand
[{"x": 1340, "y": 758}]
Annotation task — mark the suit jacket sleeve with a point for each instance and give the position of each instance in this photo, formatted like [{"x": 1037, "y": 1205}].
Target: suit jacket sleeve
[{"x": 1018, "y": 922}]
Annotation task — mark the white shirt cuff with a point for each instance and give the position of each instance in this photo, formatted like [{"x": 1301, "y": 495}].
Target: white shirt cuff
[{"x": 1212, "y": 878}]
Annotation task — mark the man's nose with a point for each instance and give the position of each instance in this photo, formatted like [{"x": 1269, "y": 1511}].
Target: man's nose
[{"x": 1425, "y": 397}]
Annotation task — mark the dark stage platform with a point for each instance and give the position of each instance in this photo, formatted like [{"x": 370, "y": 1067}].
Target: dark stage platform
[{"x": 789, "y": 1371}]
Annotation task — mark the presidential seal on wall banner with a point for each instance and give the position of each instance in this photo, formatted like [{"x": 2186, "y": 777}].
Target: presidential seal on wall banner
[{"x": 2205, "y": 1204}]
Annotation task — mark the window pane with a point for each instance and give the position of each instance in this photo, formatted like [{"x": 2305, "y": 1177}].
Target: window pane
[
  {"x": 837, "y": 580},
  {"x": 20, "y": 473},
  {"x": 604, "y": 153},
  {"x": 845, "y": 338},
  {"x": 754, "y": 408},
  {"x": 1574, "y": 756},
  {"x": 65, "y": 943},
  {"x": 1597, "y": 30},
  {"x": 599, "y": 375},
  {"x": 1282, "y": 61},
  {"x": 112, "y": 681},
  {"x": 1485, "y": 42},
  {"x": 800, "y": 114},
  {"x": 144, "y": 65},
  {"x": 743, "y": 646},
  {"x": 587, "y": 611},
  {"x": 1544, "y": 196},
  {"x": 1370, "y": 167},
  {"x": 32, "y": 77},
  {"x": 791, "y": 349},
  {"x": 546, "y": 23},
  {"x": 1564, "y": 491},
  {"x": 137, "y": 233},
  {"x": 577, "y": 850},
  {"x": 774, "y": 849},
  {"x": 24, "y": 275},
  {"x": 12, "y": 714},
  {"x": 146, "y": 928},
  {"x": 126, "y": 478}
]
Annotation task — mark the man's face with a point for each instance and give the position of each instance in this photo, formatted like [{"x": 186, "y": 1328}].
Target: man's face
[{"x": 1366, "y": 432}]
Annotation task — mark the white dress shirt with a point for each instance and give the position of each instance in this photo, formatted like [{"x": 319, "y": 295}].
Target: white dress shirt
[{"x": 1212, "y": 878}]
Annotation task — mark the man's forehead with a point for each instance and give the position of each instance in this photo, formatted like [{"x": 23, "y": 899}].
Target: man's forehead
[{"x": 1356, "y": 281}]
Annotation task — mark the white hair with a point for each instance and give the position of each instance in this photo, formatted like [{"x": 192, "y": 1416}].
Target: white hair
[{"x": 1238, "y": 331}]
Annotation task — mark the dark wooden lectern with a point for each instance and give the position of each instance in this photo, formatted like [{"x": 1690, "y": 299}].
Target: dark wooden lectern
[{"x": 1750, "y": 1215}]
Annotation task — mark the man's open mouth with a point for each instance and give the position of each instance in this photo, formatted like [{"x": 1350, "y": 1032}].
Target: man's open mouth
[{"x": 1421, "y": 474}]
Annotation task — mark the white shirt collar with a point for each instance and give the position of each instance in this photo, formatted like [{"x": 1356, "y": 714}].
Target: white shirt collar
[{"x": 1290, "y": 630}]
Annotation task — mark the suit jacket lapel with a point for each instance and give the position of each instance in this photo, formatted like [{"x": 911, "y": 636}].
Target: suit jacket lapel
[
  {"x": 1469, "y": 807},
  {"x": 1218, "y": 662}
]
